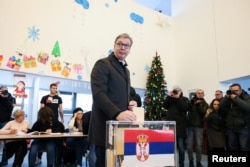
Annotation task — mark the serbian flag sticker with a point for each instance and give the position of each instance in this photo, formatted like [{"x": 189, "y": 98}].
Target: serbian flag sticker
[{"x": 149, "y": 148}]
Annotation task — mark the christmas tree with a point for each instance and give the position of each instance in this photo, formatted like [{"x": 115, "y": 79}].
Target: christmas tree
[
  {"x": 156, "y": 91},
  {"x": 56, "y": 50}
]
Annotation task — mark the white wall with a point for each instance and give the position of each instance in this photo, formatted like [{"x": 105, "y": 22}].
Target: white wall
[
  {"x": 212, "y": 42},
  {"x": 84, "y": 35}
]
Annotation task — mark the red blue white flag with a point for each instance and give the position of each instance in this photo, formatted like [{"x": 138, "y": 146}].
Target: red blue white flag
[{"x": 149, "y": 148}]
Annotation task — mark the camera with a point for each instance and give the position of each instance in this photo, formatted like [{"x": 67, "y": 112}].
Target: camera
[
  {"x": 175, "y": 91},
  {"x": 4, "y": 92},
  {"x": 230, "y": 92}
]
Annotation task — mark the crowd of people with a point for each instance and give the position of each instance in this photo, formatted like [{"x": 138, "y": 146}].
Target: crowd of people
[{"x": 226, "y": 120}]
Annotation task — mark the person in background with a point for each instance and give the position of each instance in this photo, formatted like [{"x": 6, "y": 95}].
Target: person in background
[
  {"x": 215, "y": 126},
  {"x": 236, "y": 105},
  {"x": 6, "y": 108},
  {"x": 195, "y": 127},
  {"x": 134, "y": 96},
  {"x": 177, "y": 106},
  {"x": 218, "y": 94},
  {"x": 17, "y": 147},
  {"x": 46, "y": 122},
  {"x": 110, "y": 85},
  {"x": 78, "y": 144},
  {"x": 55, "y": 102}
]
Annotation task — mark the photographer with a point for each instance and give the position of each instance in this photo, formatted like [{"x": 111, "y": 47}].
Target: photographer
[
  {"x": 177, "y": 106},
  {"x": 236, "y": 105},
  {"x": 6, "y": 107},
  {"x": 195, "y": 128}
]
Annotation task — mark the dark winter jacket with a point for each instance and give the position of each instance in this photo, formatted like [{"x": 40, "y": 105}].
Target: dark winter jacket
[
  {"x": 237, "y": 111},
  {"x": 176, "y": 111},
  {"x": 6, "y": 107}
]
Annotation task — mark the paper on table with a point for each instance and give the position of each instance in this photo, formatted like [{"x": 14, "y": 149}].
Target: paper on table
[{"x": 139, "y": 112}]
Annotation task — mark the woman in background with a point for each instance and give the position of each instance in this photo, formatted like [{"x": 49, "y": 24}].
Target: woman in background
[
  {"x": 215, "y": 127},
  {"x": 46, "y": 122},
  {"x": 78, "y": 144},
  {"x": 17, "y": 147}
]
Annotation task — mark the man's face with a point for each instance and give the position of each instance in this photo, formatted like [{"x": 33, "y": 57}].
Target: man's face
[
  {"x": 53, "y": 90},
  {"x": 237, "y": 91},
  {"x": 200, "y": 94},
  {"x": 218, "y": 95},
  {"x": 122, "y": 48}
]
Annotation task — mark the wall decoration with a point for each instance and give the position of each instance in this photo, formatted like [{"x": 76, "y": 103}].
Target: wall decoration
[
  {"x": 14, "y": 63},
  {"x": 19, "y": 91},
  {"x": 33, "y": 33},
  {"x": 29, "y": 61},
  {"x": 1, "y": 59},
  {"x": 66, "y": 70},
  {"x": 55, "y": 65},
  {"x": 146, "y": 68},
  {"x": 78, "y": 68},
  {"x": 43, "y": 57},
  {"x": 136, "y": 17},
  {"x": 84, "y": 3},
  {"x": 56, "y": 50},
  {"x": 22, "y": 47}
]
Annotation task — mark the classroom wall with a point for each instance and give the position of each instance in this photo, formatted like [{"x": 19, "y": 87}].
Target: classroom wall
[
  {"x": 212, "y": 43},
  {"x": 83, "y": 32}
]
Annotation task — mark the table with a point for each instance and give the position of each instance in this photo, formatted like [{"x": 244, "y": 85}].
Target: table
[{"x": 41, "y": 136}]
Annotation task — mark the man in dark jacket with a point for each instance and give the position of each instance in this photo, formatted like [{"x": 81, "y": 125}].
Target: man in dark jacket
[
  {"x": 177, "y": 106},
  {"x": 236, "y": 105},
  {"x": 110, "y": 85},
  {"x": 195, "y": 127}
]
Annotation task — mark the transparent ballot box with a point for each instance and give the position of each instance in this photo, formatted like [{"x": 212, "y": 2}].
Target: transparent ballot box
[{"x": 141, "y": 144}]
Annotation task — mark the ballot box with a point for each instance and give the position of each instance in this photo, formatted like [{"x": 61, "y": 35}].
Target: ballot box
[{"x": 141, "y": 144}]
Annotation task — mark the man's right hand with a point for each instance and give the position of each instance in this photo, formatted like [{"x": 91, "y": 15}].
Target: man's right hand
[{"x": 126, "y": 116}]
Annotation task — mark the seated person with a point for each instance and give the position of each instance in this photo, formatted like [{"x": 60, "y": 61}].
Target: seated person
[
  {"x": 17, "y": 147},
  {"x": 78, "y": 144},
  {"x": 46, "y": 122}
]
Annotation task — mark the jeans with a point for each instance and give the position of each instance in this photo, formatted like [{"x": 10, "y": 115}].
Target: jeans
[
  {"x": 92, "y": 156},
  {"x": 42, "y": 144},
  {"x": 181, "y": 150},
  {"x": 194, "y": 134},
  {"x": 4, "y": 156},
  {"x": 80, "y": 147},
  {"x": 238, "y": 139}
]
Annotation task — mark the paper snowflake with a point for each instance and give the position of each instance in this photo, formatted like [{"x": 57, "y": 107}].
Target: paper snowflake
[{"x": 33, "y": 33}]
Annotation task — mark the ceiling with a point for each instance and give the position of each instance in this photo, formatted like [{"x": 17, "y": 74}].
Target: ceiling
[{"x": 162, "y": 6}]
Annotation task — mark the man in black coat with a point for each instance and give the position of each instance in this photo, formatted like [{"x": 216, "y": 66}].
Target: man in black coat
[{"x": 110, "y": 85}]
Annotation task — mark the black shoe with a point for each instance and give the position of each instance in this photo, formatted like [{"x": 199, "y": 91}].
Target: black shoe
[
  {"x": 4, "y": 163},
  {"x": 198, "y": 164},
  {"x": 191, "y": 163}
]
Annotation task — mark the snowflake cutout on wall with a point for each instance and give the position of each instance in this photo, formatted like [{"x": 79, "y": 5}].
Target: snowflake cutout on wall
[{"x": 33, "y": 33}]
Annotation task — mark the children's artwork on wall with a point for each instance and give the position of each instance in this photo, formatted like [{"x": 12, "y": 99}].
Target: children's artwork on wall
[
  {"x": 56, "y": 65},
  {"x": 66, "y": 70},
  {"x": 43, "y": 57},
  {"x": 56, "y": 50},
  {"x": 33, "y": 33},
  {"x": 29, "y": 61},
  {"x": 1, "y": 59},
  {"x": 136, "y": 18},
  {"x": 14, "y": 63},
  {"x": 84, "y": 3},
  {"x": 19, "y": 91},
  {"x": 78, "y": 68}
]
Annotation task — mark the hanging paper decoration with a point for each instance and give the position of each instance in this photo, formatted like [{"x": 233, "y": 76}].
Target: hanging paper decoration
[
  {"x": 56, "y": 65},
  {"x": 29, "y": 61},
  {"x": 43, "y": 57},
  {"x": 66, "y": 70},
  {"x": 22, "y": 48},
  {"x": 56, "y": 50},
  {"x": 78, "y": 68},
  {"x": 14, "y": 63},
  {"x": 19, "y": 91},
  {"x": 1, "y": 59}
]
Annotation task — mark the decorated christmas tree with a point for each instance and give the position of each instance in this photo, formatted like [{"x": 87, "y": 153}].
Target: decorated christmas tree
[{"x": 156, "y": 91}]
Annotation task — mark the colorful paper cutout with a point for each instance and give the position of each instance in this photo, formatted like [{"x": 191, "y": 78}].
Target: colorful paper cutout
[
  {"x": 136, "y": 17},
  {"x": 43, "y": 57},
  {"x": 20, "y": 90},
  {"x": 84, "y": 3},
  {"x": 78, "y": 68},
  {"x": 29, "y": 61},
  {"x": 56, "y": 65},
  {"x": 56, "y": 50},
  {"x": 14, "y": 63},
  {"x": 1, "y": 59},
  {"x": 33, "y": 33}
]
